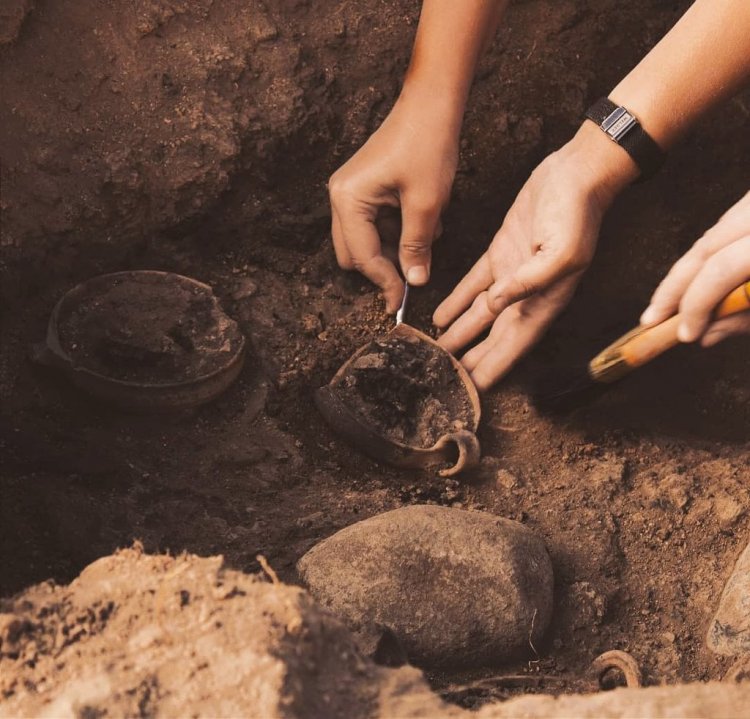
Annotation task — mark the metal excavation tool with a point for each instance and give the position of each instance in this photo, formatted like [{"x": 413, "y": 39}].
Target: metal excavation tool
[{"x": 456, "y": 450}]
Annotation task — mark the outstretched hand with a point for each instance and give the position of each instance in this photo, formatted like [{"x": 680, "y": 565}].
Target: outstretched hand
[
  {"x": 716, "y": 264},
  {"x": 536, "y": 259}
]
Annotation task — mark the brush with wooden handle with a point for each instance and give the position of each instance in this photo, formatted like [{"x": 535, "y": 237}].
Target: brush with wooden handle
[
  {"x": 643, "y": 344},
  {"x": 632, "y": 350}
]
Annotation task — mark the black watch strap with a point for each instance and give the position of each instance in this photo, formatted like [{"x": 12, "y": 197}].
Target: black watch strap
[{"x": 624, "y": 129}]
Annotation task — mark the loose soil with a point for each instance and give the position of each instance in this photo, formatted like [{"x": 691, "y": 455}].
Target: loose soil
[
  {"x": 407, "y": 389},
  {"x": 150, "y": 329},
  {"x": 218, "y": 172},
  {"x": 113, "y": 643}
]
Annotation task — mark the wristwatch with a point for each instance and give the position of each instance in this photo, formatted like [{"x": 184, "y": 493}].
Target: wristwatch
[{"x": 622, "y": 127}]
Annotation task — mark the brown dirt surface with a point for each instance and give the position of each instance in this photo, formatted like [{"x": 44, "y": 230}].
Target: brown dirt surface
[
  {"x": 197, "y": 137},
  {"x": 150, "y": 329},
  {"x": 408, "y": 390}
]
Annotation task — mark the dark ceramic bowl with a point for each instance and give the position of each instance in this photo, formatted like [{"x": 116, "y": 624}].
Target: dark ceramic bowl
[{"x": 135, "y": 395}]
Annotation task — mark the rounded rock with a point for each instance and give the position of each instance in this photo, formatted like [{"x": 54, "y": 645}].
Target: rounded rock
[
  {"x": 729, "y": 631},
  {"x": 457, "y": 588}
]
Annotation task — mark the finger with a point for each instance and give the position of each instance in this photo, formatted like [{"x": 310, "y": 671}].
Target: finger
[
  {"x": 415, "y": 246},
  {"x": 533, "y": 276},
  {"x": 720, "y": 274},
  {"x": 363, "y": 244},
  {"x": 438, "y": 230},
  {"x": 476, "y": 281},
  {"x": 536, "y": 313},
  {"x": 469, "y": 325},
  {"x": 730, "y": 228},
  {"x": 475, "y": 355},
  {"x": 343, "y": 257},
  {"x": 524, "y": 326},
  {"x": 721, "y": 329},
  {"x": 666, "y": 299},
  {"x": 735, "y": 219}
]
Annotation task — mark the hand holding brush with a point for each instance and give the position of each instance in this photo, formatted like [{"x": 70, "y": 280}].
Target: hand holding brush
[
  {"x": 573, "y": 387},
  {"x": 691, "y": 304},
  {"x": 644, "y": 343}
]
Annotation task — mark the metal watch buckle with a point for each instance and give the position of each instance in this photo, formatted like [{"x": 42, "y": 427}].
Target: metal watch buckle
[{"x": 618, "y": 123}]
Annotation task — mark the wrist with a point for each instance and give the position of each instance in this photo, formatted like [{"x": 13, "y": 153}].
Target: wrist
[
  {"x": 430, "y": 104},
  {"x": 607, "y": 167}
]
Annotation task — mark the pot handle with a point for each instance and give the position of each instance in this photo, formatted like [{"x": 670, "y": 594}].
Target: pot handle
[{"x": 469, "y": 451}]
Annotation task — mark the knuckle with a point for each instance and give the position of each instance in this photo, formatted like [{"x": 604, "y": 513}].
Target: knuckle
[
  {"x": 701, "y": 249},
  {"x": 425, "y": 205},
  {"x": 573, "y": 261},
  {"x": 524, "y": 290},
  {"x": 340, "y": 189},
  {"x": 693, "y": 308},
  {"x": 708, "y": 245},
  {"x": 716, "y": 268},
  {"x": 414, "y": 248},
  {"x": 482, "y": 307}
]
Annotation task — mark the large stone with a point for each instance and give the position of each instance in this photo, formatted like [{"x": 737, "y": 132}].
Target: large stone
[
  {"x": 729, "y": 631},
  {"x": 455, "y": 587}
]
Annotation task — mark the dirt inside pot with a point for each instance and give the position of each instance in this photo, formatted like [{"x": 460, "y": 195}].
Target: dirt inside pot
[
  {"x": 408, "y": 390},
  {"x": 150, "y": 329}
]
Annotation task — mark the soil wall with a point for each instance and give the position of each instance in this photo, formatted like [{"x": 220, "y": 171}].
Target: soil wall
[{"x": 126, "y": 120}]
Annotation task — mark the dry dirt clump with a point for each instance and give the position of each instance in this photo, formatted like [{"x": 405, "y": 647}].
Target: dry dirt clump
[
  {"x": 12, "y": 15},
  {"x": 140, "y": 635}
]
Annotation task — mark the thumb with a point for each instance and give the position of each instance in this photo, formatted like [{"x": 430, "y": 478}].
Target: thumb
[
  {"x": 534, "y": 276},
  {"x": 420, "y": 227}
]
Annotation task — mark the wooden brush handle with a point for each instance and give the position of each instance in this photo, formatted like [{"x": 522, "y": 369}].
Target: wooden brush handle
[{"x": 645, "y": 344}]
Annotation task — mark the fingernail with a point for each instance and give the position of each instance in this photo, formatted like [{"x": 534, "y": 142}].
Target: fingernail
[
  {"x": 417, "y": 275},
  {"x": 684, "y": 334},
  {"x": 648, "y": 316}
]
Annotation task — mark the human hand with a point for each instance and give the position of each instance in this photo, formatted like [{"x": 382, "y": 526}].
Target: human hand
[
  {"x": 409, "y": 162},
  {"x": 716, "y": 264},
  {"x": 536, "y": 259}
]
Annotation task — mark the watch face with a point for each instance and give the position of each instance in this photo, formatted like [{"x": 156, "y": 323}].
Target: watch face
[{"x": 618, "y": 123}]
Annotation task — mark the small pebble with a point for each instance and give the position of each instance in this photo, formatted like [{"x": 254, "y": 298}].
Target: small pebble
[{"x": 244, "y": 288}]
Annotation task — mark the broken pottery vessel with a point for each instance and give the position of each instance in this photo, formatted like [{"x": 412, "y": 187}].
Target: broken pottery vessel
[{"x": 406, "y": 401}]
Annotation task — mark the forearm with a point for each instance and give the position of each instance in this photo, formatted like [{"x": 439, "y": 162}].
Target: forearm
[
  {"x": 450, "y": 39},
  {"x": 703, "y": 60}
]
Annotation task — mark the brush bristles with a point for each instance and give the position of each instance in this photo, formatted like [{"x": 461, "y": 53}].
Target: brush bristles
[
  {"x": 609, "y": 368},
  {"x": 610, "y": 364}
]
